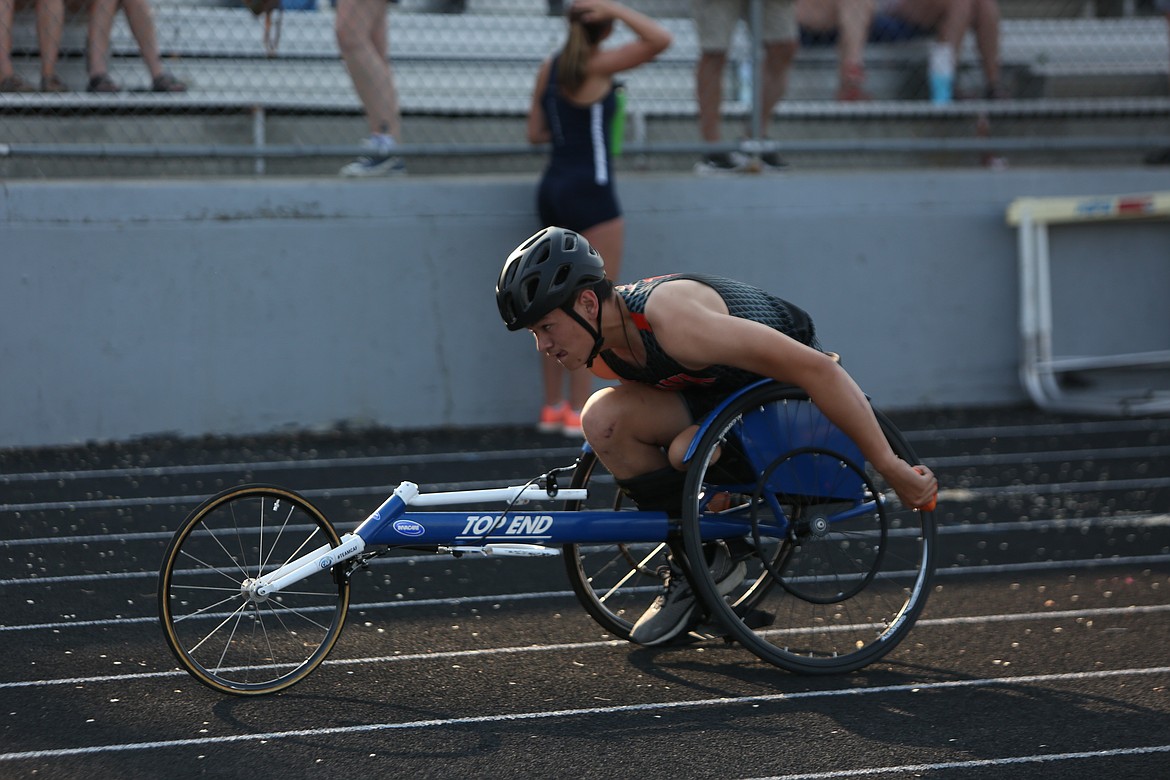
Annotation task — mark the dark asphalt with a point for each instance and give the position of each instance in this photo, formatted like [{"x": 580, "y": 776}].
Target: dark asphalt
[{"x": 1044, "y": 651}]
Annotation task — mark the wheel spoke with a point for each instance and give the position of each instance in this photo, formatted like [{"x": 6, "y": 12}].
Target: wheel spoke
[{"x": 266, "y": 641}]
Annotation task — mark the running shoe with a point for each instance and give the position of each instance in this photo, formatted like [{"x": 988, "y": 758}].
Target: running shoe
[
  {"x": 571, "y": 423},
  {"x": 552, "y": 417},
  {"x": 380, "y": 162},
  {"x": 673, "y": 610},
  {"x": 722, "y": 162},
  {"x": 773, "y": 162}
]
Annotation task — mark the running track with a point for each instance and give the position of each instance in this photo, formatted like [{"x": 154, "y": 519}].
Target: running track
[{"x": 1044, "y": 651}]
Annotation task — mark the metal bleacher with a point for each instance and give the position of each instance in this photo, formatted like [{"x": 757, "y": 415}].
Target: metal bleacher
[{"x": 466, "y": 79}]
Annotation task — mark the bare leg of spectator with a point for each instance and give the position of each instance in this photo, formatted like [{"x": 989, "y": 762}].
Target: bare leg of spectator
[
  {"x": 362, "y": 36},
  {"x": 986, "y": 23},
  {"x": 50, "y": 24},
  {"x": 951, "y": 19},
  {"x": 850, "y": 21},
  {"x": 854, "y": 18},
  {"x": 778, "y": 58},
  {"x": 97, "y": 46},
  {"x": 141, "y": 21},
  {"x": 709, "y": 92},
  {"x": 9, "y": 80}
]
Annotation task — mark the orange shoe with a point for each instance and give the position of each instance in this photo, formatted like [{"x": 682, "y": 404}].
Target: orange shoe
[
  {"x": 571, "y": 423},
  {"x": 552, "y": 417}
]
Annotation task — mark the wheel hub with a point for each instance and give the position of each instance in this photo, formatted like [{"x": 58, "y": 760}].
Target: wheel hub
[{"x": 249, "y": 590}]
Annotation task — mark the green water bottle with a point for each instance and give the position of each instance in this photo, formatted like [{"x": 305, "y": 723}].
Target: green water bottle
[{"x": 617, "y": 128}]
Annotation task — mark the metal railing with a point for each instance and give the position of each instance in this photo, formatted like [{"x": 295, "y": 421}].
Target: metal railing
[{"x": 1080, "y": 76}]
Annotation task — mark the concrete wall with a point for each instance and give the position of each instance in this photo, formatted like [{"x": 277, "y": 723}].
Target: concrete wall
[{"x": 132, "y": 308}]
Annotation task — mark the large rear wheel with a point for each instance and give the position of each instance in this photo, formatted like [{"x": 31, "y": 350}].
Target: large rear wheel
[{"x": 837, "y": 569}]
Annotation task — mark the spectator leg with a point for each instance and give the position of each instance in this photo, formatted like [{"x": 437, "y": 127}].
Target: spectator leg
[
  {"x": 709, "y": 92},
  {"x": 778, "y": 56},
  {"x": 50, "y": 24},
  {"x": 986, "y": 23},
  {"x": 141, "y": 21},
  {"x": 7, "y": 14},
  {"x": 852, "y": 34},
  {"x": 361, "y": 28},
  {"x": 101, "y": 22}
]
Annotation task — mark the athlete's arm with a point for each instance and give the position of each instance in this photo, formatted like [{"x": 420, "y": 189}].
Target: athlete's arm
[
  {"x": 652, "y": 39},
  {"x": 693, "y": 326}
]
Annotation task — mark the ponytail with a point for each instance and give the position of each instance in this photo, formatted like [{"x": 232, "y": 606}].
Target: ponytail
[{"x": 583, "y": 37}]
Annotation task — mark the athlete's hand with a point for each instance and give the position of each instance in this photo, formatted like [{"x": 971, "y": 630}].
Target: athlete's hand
[{"x": 916, "y": 486}]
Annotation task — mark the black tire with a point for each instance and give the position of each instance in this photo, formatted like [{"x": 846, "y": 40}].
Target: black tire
[
  {"x": 834, "y": 579},
  {"x": 614, "y": 582},
  {"x": 226, "y": 639}
]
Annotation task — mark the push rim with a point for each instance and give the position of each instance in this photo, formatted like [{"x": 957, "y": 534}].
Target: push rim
[{"x": 828, "y": 599}]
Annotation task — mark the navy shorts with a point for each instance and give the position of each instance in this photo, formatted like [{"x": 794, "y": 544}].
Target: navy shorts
[{"x": 575, "y": 203}]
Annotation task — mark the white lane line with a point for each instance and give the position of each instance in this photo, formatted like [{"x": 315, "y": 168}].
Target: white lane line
[
  {"x": 726, "y": 701},
  {"x": 904, "y": 769},
  {"x": 1073, "y": 563},
  {"x": 1071, "y": 614},
  {"x": 454, "y": 601}
]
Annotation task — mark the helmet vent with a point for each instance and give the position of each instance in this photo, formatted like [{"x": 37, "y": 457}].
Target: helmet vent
[{"x": 540, "y": 254}]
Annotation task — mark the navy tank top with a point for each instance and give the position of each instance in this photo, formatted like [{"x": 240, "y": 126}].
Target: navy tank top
[
  {"x": 743, "y": 300},
  {"x": 580, "y": 134}
]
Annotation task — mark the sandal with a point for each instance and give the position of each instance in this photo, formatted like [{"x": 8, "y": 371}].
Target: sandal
[
  {"x": 15, "y": 83},
  {"x": 168, "y": 83},
  {"x": 103, "y": 83},
  {"x": 53, "y": 83}
]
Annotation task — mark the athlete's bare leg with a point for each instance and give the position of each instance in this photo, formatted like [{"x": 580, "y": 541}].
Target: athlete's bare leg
[{"x": 629, "y": 427}]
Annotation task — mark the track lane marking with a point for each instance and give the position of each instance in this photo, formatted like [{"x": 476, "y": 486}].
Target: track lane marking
[
  {"x": 723, "y": 701},
  {"x": 1069, "y": 614}
]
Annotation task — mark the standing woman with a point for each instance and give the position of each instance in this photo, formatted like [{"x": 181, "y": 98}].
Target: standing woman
[{"x": 573, "y": 107}]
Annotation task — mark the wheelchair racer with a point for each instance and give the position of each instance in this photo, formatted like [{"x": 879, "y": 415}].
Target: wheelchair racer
[{"x": 678, "y": 344}]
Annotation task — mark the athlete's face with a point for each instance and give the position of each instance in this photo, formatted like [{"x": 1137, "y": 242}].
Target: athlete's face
[{"x": 562, "y": 338}]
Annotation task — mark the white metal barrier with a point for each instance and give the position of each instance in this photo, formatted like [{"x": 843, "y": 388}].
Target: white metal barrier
[{"x": 1040, "y": 370}]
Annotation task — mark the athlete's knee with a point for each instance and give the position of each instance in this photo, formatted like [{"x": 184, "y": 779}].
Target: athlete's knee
[{"x": 599, "y": 417}]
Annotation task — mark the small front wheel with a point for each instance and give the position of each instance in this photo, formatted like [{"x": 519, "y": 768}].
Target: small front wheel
[{"x": 221, "y": 632}]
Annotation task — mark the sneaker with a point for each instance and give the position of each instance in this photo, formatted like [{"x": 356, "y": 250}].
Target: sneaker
[
  {"x": 571, "y": 423},
  {"x": 852, "y": 86},
  {"x": 15, "y": 83},
  {"x": 674, "y": 609},
  {"x": 167, "y": 83},
  {"x": 552, "y": 417},
  {"x": 379, "y": 163},
  {"x": 722, "y": 162},
  {"x": 103, "y": 84},
  {"x": 53, "y": 83},
  {"x": 773, "y": 162}
]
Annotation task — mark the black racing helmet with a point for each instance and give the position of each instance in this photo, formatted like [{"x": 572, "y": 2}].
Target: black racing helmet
[{"x": 545, "y": 273}]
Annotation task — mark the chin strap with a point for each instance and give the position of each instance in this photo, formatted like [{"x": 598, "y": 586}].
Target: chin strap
[{"x": 595, "y": 332}]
